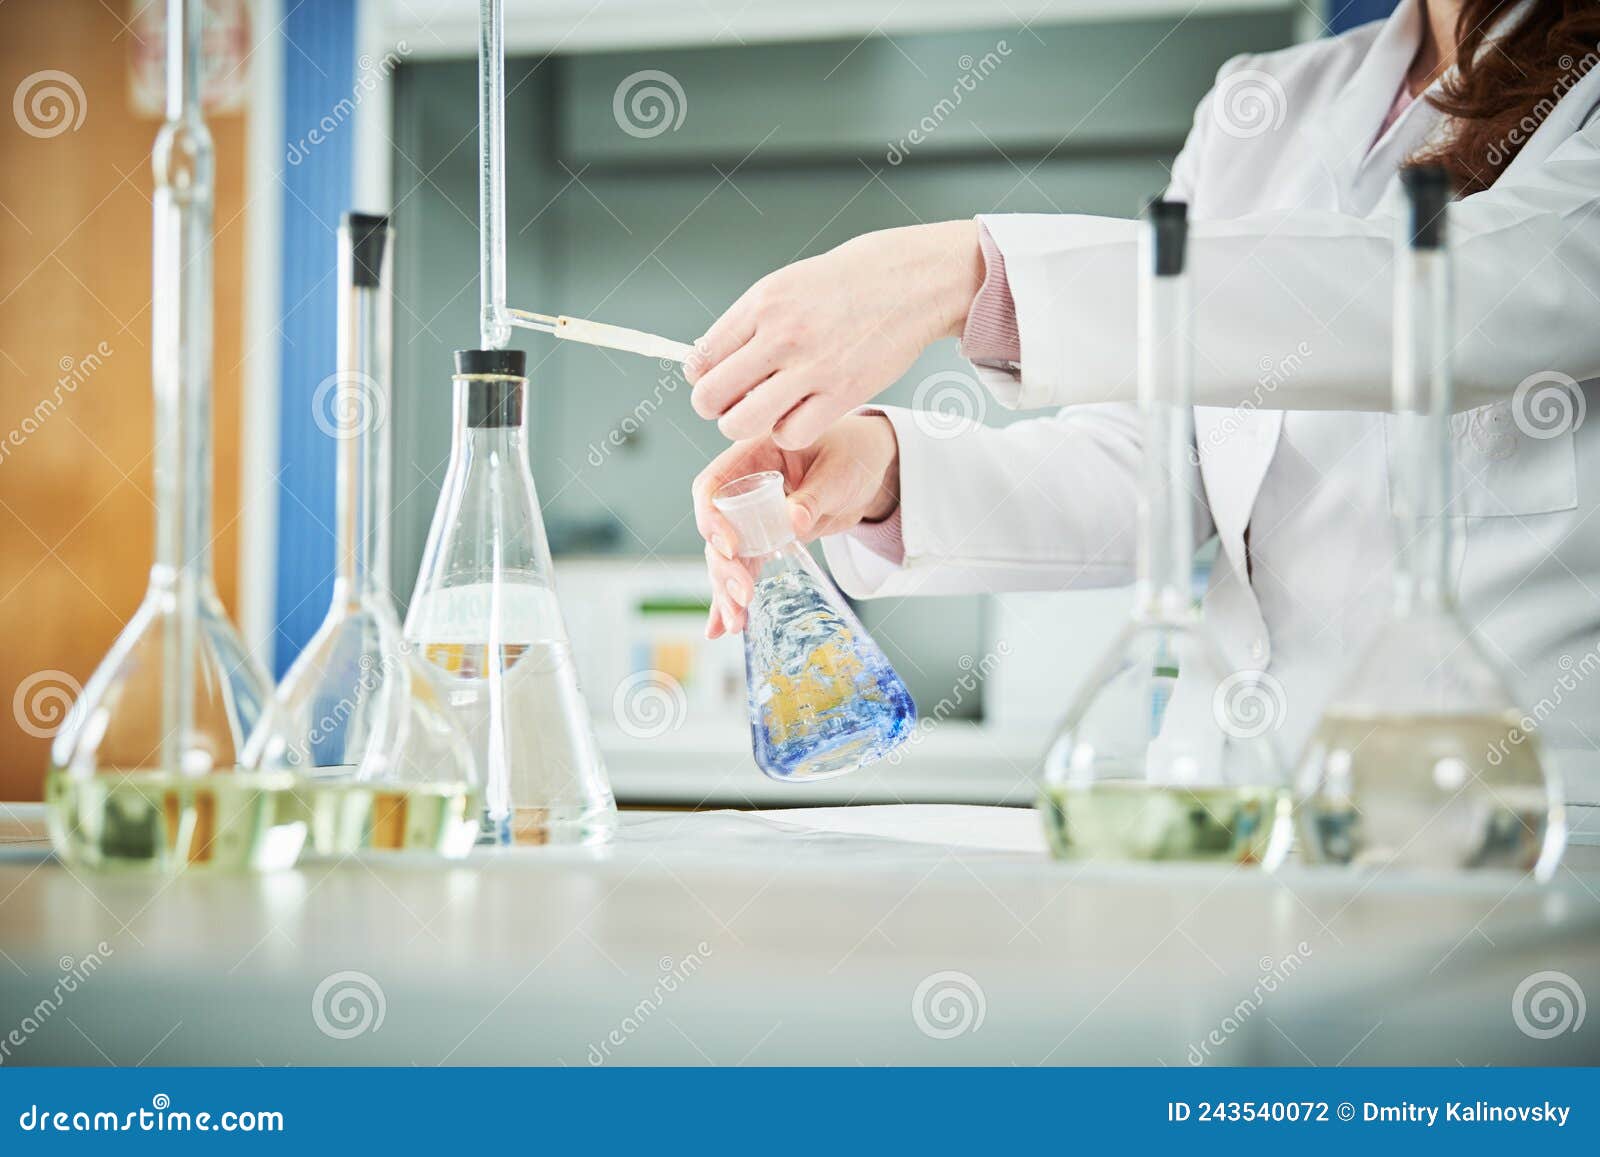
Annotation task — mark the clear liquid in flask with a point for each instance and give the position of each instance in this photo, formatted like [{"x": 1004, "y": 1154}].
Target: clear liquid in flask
[
  {"x": 520, "y": 706},
  {"x": 1427, "y": 791}
]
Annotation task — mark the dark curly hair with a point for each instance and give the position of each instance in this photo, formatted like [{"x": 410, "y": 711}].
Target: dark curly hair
[{"x": 1502, "y": 92}]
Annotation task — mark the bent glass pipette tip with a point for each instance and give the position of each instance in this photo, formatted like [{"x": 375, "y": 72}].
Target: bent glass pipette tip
[{"x": 598, "y": 333}]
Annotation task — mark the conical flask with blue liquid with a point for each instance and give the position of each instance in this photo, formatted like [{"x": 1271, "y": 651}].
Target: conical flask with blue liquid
[{"x": 823, "y": 698}]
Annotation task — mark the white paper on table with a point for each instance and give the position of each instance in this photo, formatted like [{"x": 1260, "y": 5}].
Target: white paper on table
[{"x": 998, "y": 829}]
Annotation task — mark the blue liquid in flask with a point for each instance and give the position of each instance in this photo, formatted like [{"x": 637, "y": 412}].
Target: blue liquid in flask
[{"x": 823, "y": 698}]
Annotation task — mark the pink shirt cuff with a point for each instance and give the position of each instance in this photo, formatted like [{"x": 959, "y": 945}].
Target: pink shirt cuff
[
  {"x": 882, "y": 538},
  {"x": 991, "y": 332}
]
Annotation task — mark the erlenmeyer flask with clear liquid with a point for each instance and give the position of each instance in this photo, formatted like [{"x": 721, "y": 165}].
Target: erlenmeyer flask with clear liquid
[
  {"x": 485, "y": 619},
  {"x": 1420, "y": 758},
  {"x": 144, "y": 769},
  {"x": 823, "y": 698},
  {"x": 1149, "y": 762},
  {"x": 381, "y": 765}
]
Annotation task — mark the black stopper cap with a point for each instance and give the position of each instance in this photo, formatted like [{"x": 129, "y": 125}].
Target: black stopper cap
[
  {"x": 369, "y": 238},
  {"x": 512, "y": 363},
  {"x": 1428, "y": 192},
  {"x": 1169, "y": 234},
  {"x": 494, "y": 403}
]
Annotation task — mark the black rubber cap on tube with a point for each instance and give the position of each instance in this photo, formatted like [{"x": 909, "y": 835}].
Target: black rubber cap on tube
[
  {"x": 1169, "y": 232},
  {"x": 369, "y": 237},
  {"x": 1428, "y": 191},
  {"x": 512, "y": 363}
]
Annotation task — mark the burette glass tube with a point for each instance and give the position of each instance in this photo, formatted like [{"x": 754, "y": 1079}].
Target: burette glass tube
[{"x": 495, "y": 329}]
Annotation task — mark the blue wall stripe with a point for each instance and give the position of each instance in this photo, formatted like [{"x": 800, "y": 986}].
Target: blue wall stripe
[{"x": 319, "y": 63}]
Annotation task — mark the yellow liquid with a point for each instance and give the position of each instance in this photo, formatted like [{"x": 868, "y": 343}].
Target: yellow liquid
[
  {"x": 1435, "y": 791},
  {"x": 160, "y": 822},
  {"x": 1125, "y": 820},
  {"x": 344, "y": 818}
]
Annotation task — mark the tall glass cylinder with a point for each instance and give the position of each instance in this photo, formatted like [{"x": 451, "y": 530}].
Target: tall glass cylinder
[
  {"x": 1420, "y": 759},
  {"x": 1169, "y": 482},
  {"x": 364, "y": 397}
]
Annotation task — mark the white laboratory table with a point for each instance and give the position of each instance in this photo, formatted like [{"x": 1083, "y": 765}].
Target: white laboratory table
[{"x": 905, "y": 935}]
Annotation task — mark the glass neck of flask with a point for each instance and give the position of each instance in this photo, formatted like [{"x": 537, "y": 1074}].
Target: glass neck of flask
[
  {"x": 181, "y": 318},
  {"x": 489, "y": 424},
  {"x": 362, "y": 499},
  {"x": 1423, "y": 401},
  {"x": 1168, "y": 478},
  {"x": 759, "y": 512}
]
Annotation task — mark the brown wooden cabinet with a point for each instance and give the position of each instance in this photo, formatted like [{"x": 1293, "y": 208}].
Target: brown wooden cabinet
[{"x": 76, "y": 520}]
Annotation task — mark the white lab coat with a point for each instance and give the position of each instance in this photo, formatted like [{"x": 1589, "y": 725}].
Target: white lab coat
[{"x": 1290, "y": 252}]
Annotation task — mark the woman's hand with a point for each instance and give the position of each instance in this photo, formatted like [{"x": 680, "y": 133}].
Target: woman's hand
[
  {"x": 811, "y": 342},
  {"x": 849, "y": 475}
]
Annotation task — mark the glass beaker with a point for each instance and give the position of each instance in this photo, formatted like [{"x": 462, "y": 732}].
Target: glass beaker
[
  {"x": 823, "y": 698},
  {"x": 1420, "y": 758},
  {"x": 144, "y": 769},
  {"x": 382, "y": 767},
  {"x": 1153, "y": 761},
  {"x": 485, "y": 619}
]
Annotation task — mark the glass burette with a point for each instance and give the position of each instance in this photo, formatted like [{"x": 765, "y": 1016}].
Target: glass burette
[
  {"x": 1420, "y": 758},
  {"x": 1142, "y": 767},
  {"x": 144, "y": 770}
]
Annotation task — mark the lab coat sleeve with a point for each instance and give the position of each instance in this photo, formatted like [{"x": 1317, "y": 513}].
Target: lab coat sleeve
[
  {"x": 1527, "y": 277},
  {"x": 1043, "y": 504}
]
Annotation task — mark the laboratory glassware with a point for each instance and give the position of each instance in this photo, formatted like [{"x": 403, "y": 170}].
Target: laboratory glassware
[
  {"x": 823, "y": 698},
  {"x": 1420, "y": 758},
  {"x": 485, "y": 619},
  {"x": 495, "y": 318},
  {"x": 144, "y": 769},
  {"x": 494, "y": 326},
  {"x": 1151, "y": 761},
  {"x": 381, "y": 765}
]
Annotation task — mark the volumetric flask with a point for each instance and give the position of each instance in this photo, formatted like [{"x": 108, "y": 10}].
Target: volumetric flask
[
  {"x": 380, "y": 765},
  {"x": 1421, "y": 758},
  {"x": 485, "y": 619},
  {"x": 144, "y": 769},
  {"x": 823, "y": 698},
  {"x": 1147, "y": 763}
]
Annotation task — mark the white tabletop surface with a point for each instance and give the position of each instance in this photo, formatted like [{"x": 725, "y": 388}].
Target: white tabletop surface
[{"x": 910, "y": 934}]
